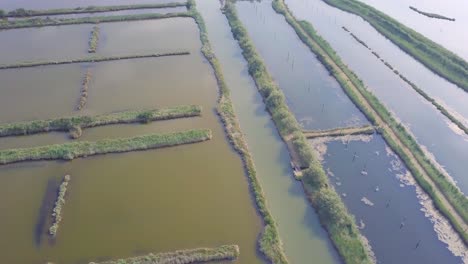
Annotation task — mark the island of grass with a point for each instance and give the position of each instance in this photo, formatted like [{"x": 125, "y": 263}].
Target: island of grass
[
  {"x": 269, "y": 241},
  {"x": 70, "y": 151},
  {"x": 57, "y": 211},
  {"x": 42, "y": 22},
  {"x": 92, "y": 59},
  {"x": 447, "y": 198},
  {"x": 431, "y": 15},
  {"x": 93, "y": 40},
  {"x": 187, "y": 256},
  {"x": 341, "y": 131},
  {"x": 331, "y": 210},
  {"x": 21, "y": 12},
  {"x": 66, "y": 124},
  {"x": 435, "y": 57},
  {"x": 84, "y": 90}
]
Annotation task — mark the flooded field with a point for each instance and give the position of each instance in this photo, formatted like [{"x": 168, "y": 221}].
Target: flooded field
[
  {"x": 423, "y": 120},
  {"x": 380, "y": 192},
  {"x": 151, "y": 201},
  {"x": 47, "y": 4}
]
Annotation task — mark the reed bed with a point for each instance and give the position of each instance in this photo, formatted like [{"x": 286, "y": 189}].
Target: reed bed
[
  {"x": 341, "y": 131},
  {"x": 70, "y": 151},
  {"x": 331, "y": 210},
  {"x": 59, "y": 203},
  {"x": 269, "y": 242},
  {"x": 431, "y": 15},
  {"x": 93, "y": 40},
  {"x": 85, "y": 121},
  {"x": 92, "y": 59},
  {"x": 42, "y": 22},
  {"x": 186, "y": 256},
  {"x": 84, "y": 90},
  {"x": 435, "y": 57},
  {"x": 454, "y": 207},
  {"x": 426, "y": 96},
  {"x": 21, "y": 12}
]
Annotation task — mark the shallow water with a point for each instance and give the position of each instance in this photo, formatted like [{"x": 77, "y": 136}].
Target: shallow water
[
  {"x": 424, "y": 121},
  {"x": 48, "y": 4},
  {"x": 315, "y": 98},
  {"x": 120, "y": 205},
  {"x": 300, "y": 231},
  {"x": 394, "y": 223}
]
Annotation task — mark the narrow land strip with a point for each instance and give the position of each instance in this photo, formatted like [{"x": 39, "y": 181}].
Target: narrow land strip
[
  {"x": 426, "y": 96},
  {"x": 447, "y": 198},
  {"x": 186, "y": 256},
  {"x": 20, "y": 12},
  {"x": 431, "y": 15},
  {"x": 331, "y": 210},
  {"x": 59, "y": 203},
  {"x": 69, "y": 151},
  {"x": 92, "y": 59},
  {"x": 341, "y": 131},
  {"x": 269, "y": 241},
  {"x": 86, "y": 121},
  {"x": 435, "y": 57}
]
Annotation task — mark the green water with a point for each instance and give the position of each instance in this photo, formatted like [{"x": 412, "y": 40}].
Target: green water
[{"x": 121, "y": 205}]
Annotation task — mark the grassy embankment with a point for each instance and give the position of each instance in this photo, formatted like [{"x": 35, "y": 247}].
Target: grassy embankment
[
  {"x": 70, "y": 151},
  {"x": 41, "y": 22},
  {"x": 92, "y": 59},
  {"x": 57, "y": 211},
  {"x": 269, "y": 241},
  {"x": 331, "y": 210},
  {"x": 446, "y": 196},
  {"x": 187, "y": 256},
  {"x": 341, "y": 131},
  {"x": 21, "y": 12},
  {"x": 81, "y": 122},
  {"x": 426, "y": 96},
  {"x": 93, "y": 40},
  {"x": 431, "y": 15},
  {"x": 84, "y": 90},
  {"x": 435, "y": 57}
]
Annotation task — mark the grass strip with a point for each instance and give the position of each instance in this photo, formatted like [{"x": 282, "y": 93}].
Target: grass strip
[
  {"x": 341, "y": 131},
  {"x": 331, "y": 210},
  {"x": 269, "y": 241},
  {"x": 426, "y": 96},
  {"x": 455, "y": 204},
  {"x": 186, "y": 256},
  {"x": 93, "y": 40},
  {"x": 70, "y": 151},
  {"x": 84, "y": 90},
  {"x": 21, "y": 12},
  {"x": 431, "y": 15},
  {"x": 86, "y": 121},
  {"x": 42, "y": 22},
  {"x": 57, "y": 211},
  {"x": 92, "y": 59},
  {"x": 435, "y": 57}
]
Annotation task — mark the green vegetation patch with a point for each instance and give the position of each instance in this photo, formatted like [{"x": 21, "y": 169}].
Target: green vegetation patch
[
  {"x": 457, "y": 199},
  {"x": 435, "y": 57},
  {"x": 269, "y": 241},
  {"x": 431, "y": 15},
  {"x": 92, "y": 59},
  {"x": 93, "y": 40},
  {"x": 198, "y": 255},
  {"x": 71, "y": 123},
  {"x": 69, "y": 151},
  {"x": 331, "y": 210},
  {"x": 57, "y": 211}
]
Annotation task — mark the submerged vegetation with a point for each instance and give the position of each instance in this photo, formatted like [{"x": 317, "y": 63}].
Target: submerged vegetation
[
  {"x": 431, "y": 15},
  {"x": 81, "y": 122},
  {"x": 57, "y": 211},
  {"x": 187, "y": 256},
  {"x": 42, "y": 22},
  {"x": 447, "y": 198},
  {"x": 331, "y": 210},
  {"x": 92, "y": 59},
  {"x": 269, "y": 241},
  {"x": 70, "y": 151},
  {"x": 21, "y": 12},
  {"x": 426, "y": 96},
  {"x": 93, "y": 40},
  {"x": 432, "y": 55},
  {"x": 84, "y": 90}
]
